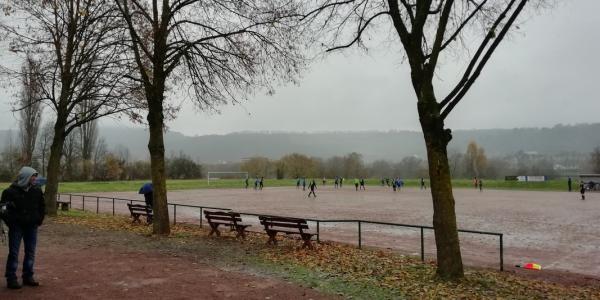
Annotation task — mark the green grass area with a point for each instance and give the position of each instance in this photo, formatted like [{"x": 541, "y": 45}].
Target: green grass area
[{"x": 187, "y": 184}]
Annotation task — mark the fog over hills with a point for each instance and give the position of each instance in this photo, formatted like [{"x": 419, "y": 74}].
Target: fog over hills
[
  {"x": 373, "y": 145},
  {"x": 393, "y": 145}
]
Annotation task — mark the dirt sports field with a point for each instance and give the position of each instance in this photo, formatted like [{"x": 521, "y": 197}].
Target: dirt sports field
[{"x": 555, "y": 229}]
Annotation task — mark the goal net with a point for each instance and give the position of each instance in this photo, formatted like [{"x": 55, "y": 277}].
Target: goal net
[{"x": 213, "y": 176}]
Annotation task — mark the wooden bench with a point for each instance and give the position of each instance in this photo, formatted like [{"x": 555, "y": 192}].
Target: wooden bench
[
  {"x": 231, "y": 219},
  {"x": 273, "y": 225},
  {"x": 138, "y": 210},
  {"x": 64, "y": 205}
]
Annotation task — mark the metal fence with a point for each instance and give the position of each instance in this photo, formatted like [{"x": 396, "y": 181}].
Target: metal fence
[{"x": 318, "y": 222}]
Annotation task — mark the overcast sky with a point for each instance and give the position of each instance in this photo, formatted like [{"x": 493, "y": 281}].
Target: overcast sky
[{"x": 544, "y": 75}]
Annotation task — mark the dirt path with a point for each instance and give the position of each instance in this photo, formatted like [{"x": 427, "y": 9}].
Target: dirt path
[{"x": 84, "y": 264}]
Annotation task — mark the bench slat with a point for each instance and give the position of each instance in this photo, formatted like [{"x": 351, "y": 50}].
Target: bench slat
[
  {"x": 282, "y": 219},
  {"x": 285, "y": 225},
  {"x": 216, "y": 213},
  {"x": 291, "y": 232},
  {"x": 219, "y": 218}
]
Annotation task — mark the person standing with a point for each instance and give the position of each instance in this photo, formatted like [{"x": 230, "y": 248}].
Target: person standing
[
  {"x": 475, "y": 182},
  {"x": 335, "y": 183},
  {"x": 341, "y": 181},
  {"x": 256, "y": 183},
  {"x": 356, "y": 183},
  {"x": 480, "y": 182},
  {"x": 25, "y": 211},
  {"x": 423, "y": 183},
  {"x": 570, "y": 184},
  {"x": 312, "y": 186},
  {"x": 261, "y": 183},
  {"x": 246, "y": 182},
  {"x": 297, "y": 183},
  {"x": 304, "y": 183},
  {"x": 582, "y": 190},
  {"x": 362, "y": 184}
]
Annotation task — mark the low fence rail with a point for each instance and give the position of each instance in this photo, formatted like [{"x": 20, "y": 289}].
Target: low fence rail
[{"x": 318, "y": 222}]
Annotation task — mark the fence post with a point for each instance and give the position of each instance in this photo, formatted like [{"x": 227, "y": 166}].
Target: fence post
[
  {"x": 174, "y": 214},
  {"x": 318, "y": 233},
  {"x": 501, "y": 253},
  {"x": 97, "y": 205},
  {"x": 200, "y": 216},
  {"x": 359, "y": 235},
  {"x": 83, "y": 203},
  {"x": 113, "y": 206},
  {"x": 422, "y": 246},
  {"x": 70, "y": 204}
]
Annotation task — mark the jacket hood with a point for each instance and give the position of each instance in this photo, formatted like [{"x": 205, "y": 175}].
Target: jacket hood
[{"x": 24, "y": 176}]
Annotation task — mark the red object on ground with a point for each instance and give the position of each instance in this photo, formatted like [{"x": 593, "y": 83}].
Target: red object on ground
[{"x": 530, "y": 266}]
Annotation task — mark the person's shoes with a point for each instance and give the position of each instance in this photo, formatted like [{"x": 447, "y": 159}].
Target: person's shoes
[
  {"x": 30, "y": 282},
  {"x": 13, "y": 284}
]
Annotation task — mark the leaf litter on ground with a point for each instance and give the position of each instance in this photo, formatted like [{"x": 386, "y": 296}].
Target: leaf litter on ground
[{"x": 382, "y": 268}]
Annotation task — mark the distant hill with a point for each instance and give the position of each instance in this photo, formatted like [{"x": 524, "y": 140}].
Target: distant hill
[{"x": 393, "y": 145}]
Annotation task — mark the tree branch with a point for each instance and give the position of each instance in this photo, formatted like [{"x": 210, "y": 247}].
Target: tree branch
[{"x": 484, "y": 60}]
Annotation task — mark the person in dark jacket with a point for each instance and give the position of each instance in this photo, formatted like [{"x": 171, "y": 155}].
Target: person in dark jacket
[
  {"x": 25, "y": 211},
  {"x": 312, "y": 186}
]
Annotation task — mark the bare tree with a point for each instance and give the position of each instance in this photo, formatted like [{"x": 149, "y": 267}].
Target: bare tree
[
  {"x": 9, "y": 156},
  {"x": 595, "y": 160},
  {"x": 217, "y": 51},
  {"x": 88, "y": 133},
  {"x": 78, "y": 44},
  {"x": 71, "y": 157},
  {"x": 426, "y": 30},
  {"x": 30, "y": 108},
  {"x": 44, "y": 142},
  {"x": 100, "y": 153}
]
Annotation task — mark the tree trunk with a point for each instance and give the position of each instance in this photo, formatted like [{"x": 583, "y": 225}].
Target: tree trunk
[
  {"x": 53, "y": 171},
  {"x": 449, "y": 260},
  {"x": 156, "y": 147}
]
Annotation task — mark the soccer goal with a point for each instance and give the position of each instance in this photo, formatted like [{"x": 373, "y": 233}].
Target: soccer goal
[{"x": 223, "y": 175}]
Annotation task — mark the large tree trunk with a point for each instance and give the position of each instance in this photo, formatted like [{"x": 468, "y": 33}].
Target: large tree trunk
[
  {"x": 156, "y": 147},
  {"x": 53, "y": 171},
  {"x": 449, "y": 260}
]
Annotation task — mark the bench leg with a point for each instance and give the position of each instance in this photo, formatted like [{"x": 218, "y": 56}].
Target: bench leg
[
  {"x": 272, "y": 239},
  {"x": 240, "y": 232},
  {"x": 214, "y": 228},
  {"x": 307, "y": 244},
  {"x": 136, "y": 219}
]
